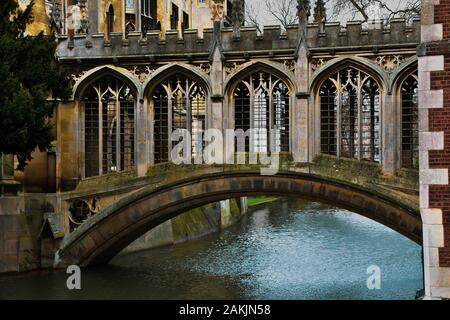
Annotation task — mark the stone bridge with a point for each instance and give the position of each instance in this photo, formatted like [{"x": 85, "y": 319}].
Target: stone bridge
[{"x": 168, "y": 190}]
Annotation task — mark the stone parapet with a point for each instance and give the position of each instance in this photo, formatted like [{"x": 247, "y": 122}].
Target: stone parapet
[{"x": 189, "y": 43}]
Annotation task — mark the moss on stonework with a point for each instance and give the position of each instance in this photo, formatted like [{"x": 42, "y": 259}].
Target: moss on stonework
[
  {"x": 362, "y": 171},
  {"x": 106, "y": 181},
  {"x": 369, "y": 176},
  {"x": 345, "y": 168},
  {"x": 404, "y": 185},
  {"x": 234, "y": 208},
  {"x": 29, "y": 247},
  {"x": 202, "y": 221},
  {"x": 195, "y": 223}
]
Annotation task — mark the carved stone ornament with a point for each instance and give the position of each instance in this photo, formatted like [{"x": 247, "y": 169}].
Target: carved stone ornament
[
  {"x": 141, "y": 72},
  {"x": 231, "y": 67},
  {"x": 318, "y": 63},
  {"x": 389, "y": 62},
  {"x": 217, "y": 10}
]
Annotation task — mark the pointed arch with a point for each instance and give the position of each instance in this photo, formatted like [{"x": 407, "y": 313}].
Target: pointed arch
[
  {"x": 246, "y": 69},
  {"x": 169, "y": 70},
  {"x": 178, "y": 98},
  {"x": 348, "y": 108},
  {"x": 335, "y": 65},
  {"x": 106, "y": 99},
  {"x": 405, "y": 89},
  {"x": 402, "y": 72},
  {"x": 260, "y": 97},
  {"x": 95, "y": 74}
]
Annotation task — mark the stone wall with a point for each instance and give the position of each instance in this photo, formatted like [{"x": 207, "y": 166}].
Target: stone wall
[
  {"x": 191, "y": 225},
  {"x": 21, "y": 220}
]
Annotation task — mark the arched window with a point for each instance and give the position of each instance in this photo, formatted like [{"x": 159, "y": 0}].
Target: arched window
[
  {"x": 109, "y": 106},
  {"x": 109, "y": 20},
  {"x": 178, "y": 103},
  {"x": 261, "y": 103},
  {"x": 350, "y": 115},
  {"x": 410, "y": 122}
]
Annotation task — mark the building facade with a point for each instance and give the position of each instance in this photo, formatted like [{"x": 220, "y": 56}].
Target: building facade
[{"x": 142, "y": 69}]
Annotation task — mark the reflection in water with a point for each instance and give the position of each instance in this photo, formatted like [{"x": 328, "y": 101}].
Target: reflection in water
[{"x": 290, "y": 250}]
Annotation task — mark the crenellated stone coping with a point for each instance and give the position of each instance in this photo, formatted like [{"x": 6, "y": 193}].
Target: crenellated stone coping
[{"x": 272, "y": 39}]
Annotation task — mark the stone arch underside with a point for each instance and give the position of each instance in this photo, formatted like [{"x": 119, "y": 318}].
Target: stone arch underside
[{"x": 103, "y": 236}]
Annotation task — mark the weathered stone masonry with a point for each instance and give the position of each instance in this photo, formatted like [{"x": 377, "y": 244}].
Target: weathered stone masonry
[
  {"x": 434, "y": 126},
  {"x": 303, "y": 57}
]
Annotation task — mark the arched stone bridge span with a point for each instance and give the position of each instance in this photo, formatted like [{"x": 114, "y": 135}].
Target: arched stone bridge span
[{"x": 104, "y": 235}]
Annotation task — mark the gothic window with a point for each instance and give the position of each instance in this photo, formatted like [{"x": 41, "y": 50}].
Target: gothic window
[
  {"x": 410, "y": 122},
  {"x": 109, "y": 106},
  {"x": 178, "y": 103},
  {"x": 350, "y": 116},
  {"x": 261, "y": 103}
]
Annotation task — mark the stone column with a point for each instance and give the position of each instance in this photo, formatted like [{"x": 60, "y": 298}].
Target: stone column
[
  {"x": 389, "y": 134},
  {"x": 142, "y": 152},
  {"x": 300, "y": 138},
  {"x": 434, "y": 102},
  {"x": 299, "y": 111},
  {"x": 215, "y": 117}
]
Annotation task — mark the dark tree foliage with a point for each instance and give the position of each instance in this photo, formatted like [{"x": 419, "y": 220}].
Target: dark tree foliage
[{"x": 31, "y": 83}]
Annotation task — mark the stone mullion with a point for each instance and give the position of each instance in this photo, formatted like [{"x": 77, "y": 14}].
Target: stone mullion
[
  {"x": 118, "y": 128},
  {"x": 360, "y": 110},
  {"x": 169, "y": 120},
  {"x": 388, "y": 133},
  {"x": 271, "y": 108},
  {"x": 252, "y": 110},
  {"x": 100, "y": 135},
  {"x": 150, "y": 118},
  {"x": 141, "y": 134}
]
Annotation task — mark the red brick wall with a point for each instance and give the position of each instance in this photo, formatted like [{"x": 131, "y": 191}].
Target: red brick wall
[
  {"x": 439, "y": 120},
  {"x": 442, "y": 15}
]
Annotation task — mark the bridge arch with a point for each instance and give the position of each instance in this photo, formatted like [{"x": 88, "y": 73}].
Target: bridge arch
[{"x": 104, "y": 235}]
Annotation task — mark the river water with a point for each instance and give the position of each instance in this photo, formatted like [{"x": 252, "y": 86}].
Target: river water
[{"x": 287, "y": 250}]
